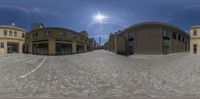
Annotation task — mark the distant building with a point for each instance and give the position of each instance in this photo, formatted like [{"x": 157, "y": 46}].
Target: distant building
[
  {"x": 195, "y": 40},
  {"x": 149, "y": 38},
  {"x": 56, "y": 41},
  {"x": 12, "y": 39}
]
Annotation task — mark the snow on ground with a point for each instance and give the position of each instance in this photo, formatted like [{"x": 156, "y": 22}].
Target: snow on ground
[{"x": 99, "y": 73}]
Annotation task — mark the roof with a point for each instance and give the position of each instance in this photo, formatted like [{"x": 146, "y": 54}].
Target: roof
[
  {"x": 53, "y": 28},
  {"x": 14, "y": 27},
  {"x": 195, "y": 26},
  {"x": 152, "y": 23}
]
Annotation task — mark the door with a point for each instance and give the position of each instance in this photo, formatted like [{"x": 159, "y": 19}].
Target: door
[
  {"x": 12, "y": 47},
  {"x": 9, "y": 49},
  {"x": 166, "y": 50},
  {"x": 195, "y": 49}
]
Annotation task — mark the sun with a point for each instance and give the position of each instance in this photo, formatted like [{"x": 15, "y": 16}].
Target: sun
[{"x": 99, "y": 17}]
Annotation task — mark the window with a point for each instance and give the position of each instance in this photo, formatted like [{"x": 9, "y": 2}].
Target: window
[
  {"x": 10, "y": 33},
  {"x": 183, "y": 39},
  {"x": 130, "y": 35},
  {"x": 166, "y": 34},
  {"x": 36, "y": 34},
  {"x": 179, "y": 37},
  {"x": 15, "y": 34},
  {"x": 174, "y": 35},
  {"x": 5, "y": 33},
  {"x": 63, "y": 34},
  {"x": 130, "y": 44},
  {"x": 23, "y": 35},
  {"x": 195, "y": 49},
  {"x": 47, "y": 33},
  {"x": 194, "y": 33},
  {"x": 74, "y": 35},
  {"x": 2, "y": 44},
  {"x": 166, "y": 42}
]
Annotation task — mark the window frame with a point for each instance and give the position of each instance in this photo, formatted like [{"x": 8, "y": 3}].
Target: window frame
[
  {"x": 10, "y": 33},
  {"x": 5, "y": 33},
  {"x": 15, "y": 34},
  {"x": 2, "y": 44}
]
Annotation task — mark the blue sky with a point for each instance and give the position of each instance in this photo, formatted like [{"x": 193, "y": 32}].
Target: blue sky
[{"x": 79, "y": 14}]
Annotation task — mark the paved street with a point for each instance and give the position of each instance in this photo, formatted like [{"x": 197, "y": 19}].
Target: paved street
[{"x": 100, "y": 74}]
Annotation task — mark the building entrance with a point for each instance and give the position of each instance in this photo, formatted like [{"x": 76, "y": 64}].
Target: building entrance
[
  {"x": 41, "y": 48},
  {"x": 63, "y": 49},
  {"x": 12, "y": 47},
  {"x": 194, "y": 49}
]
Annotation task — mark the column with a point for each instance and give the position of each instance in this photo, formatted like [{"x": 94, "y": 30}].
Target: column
[
  {"x": 52, "y": 46},
  {"x": 20, "y": 47},
  {"x": 74, "y": 47},
  {"x": 5, "y": 47}
]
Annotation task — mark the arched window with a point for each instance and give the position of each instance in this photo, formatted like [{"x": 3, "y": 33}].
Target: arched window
[{"x": 5, "y": 33}]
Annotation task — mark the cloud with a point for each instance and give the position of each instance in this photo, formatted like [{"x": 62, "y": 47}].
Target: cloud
[{"x": 27, "y": 10}]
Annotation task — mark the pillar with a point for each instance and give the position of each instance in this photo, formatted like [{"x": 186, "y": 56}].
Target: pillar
[
  {"x": 5, "y": 47},
  {"x": 30, "y": 47},
  {"x": 52, "y": 46},
  {"x": 74, "y": 47},
  {"x": 20, "y": 47}
]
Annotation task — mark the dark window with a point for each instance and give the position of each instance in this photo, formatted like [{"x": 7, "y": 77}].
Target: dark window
[
  {"x": 23, "y": 35},
  {"x": 74, "y": 35},
  {"x": 183, "y": 39},
  {"x": 174, "y": 35},
  {"x": 15, "y": 34},
  {"x": 179, "y": 37},
  {"x": 195, "y": 48},
  {"x": 166, "y": 35},
  {"x": 2, "y": 44},
  {"x": 194, "y": 33},
  {"x": 10, "y": 33},
  {"x": 5, "y": 33},
  {"x": 36, "y": 34},
  {"x": 130, "y": 35}
]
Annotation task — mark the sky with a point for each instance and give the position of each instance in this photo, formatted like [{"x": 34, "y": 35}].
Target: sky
[{"x": 80, "y": 15}]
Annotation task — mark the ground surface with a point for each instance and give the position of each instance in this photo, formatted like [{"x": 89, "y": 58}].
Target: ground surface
[{"x": 100, "y": 74}]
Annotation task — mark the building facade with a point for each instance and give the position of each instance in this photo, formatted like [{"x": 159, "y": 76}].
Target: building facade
[
  {"x": 149, "y": 38},
  {"x": 12, "y": 39},
  {"x": 195, "y": 40},
  {"x": 56, "y": 41}
]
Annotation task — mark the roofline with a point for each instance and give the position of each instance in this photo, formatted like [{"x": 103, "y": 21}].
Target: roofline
[
  {"x": 153, "y": 23},
  {"x": 7, "y": 26},
  {"x": 195, "y": 26},
  {"x": 53, "y": 28}
]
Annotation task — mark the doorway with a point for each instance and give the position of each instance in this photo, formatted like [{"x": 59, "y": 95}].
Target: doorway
[
  {"x": 63, "y": 49},
  {"x": 12, "y": 47},
  {"x": 166, "y": 50},
  {"x": 195, "y": 49}
]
